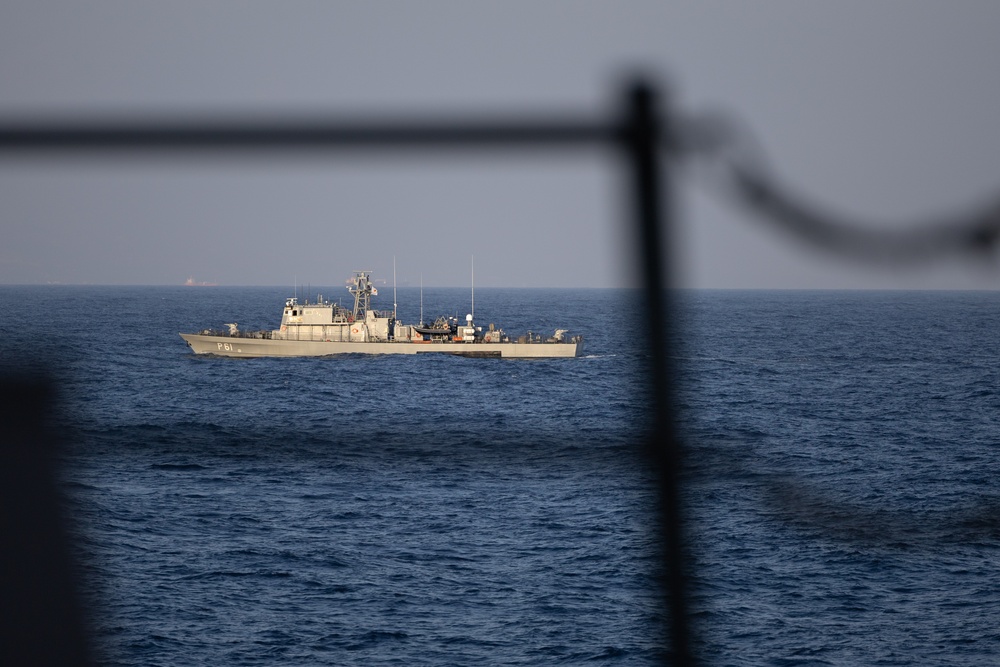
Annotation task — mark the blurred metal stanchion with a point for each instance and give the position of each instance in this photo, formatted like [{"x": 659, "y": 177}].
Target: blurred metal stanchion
[
  {"x": 40, "y": 616},
  {"x": 646, "y": 135}
]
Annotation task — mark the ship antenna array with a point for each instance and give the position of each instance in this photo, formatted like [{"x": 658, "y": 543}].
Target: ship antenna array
[
  {"x": 473, "y": 288},
  {"x": 393, "y": 287}
]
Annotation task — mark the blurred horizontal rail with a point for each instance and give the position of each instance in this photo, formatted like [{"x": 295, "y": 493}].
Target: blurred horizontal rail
[{"x": 218, "y": 134}]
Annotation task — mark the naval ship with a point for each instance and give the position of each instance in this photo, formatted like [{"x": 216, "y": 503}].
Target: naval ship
[{"x": 323, "y": 328}]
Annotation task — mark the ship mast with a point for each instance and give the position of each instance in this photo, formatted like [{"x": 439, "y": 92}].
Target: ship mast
[{"x": 362, "y": 289}]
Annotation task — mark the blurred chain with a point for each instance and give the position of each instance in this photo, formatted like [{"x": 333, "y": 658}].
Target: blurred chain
[{"x": 737, "y": 166}]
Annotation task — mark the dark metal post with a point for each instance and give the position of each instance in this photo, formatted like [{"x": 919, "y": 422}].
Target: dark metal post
[
  {"x": 41, "y": 617},
  {"x": 644, "y": 138}
]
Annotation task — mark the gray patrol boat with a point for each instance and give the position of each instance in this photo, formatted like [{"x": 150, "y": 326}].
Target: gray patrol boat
[{"x": 323, "y": 328}]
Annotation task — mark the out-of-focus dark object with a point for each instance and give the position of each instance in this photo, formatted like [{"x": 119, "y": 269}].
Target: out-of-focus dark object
[{"x": 41, "y": 621}]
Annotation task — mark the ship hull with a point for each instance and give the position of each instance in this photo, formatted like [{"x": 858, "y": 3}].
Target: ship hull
[{"x": 229, "y": 346}]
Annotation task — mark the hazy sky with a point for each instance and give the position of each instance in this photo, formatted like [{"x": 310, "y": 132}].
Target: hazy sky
[{"x": 886, "y": 110}]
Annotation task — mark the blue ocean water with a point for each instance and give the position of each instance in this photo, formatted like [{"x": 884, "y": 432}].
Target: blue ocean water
[{"x": 841, "y": 457}]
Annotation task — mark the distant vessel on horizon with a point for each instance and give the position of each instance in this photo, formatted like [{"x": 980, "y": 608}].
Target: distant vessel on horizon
[
  {"x": 191, "y": 282},
  {"x": 324, "y": 328}
]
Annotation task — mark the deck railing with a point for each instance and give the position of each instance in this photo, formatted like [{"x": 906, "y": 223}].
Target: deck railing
[{"x": 649, "y": 140}]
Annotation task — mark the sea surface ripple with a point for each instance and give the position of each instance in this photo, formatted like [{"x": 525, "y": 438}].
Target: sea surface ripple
[{"x": 839, "y": 488}]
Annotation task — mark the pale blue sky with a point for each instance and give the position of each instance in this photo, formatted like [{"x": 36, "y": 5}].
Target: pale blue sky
[{"x": 886, "y": 110}]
